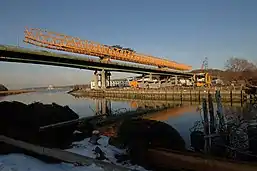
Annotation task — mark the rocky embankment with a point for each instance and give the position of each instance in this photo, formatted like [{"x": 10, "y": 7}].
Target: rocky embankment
[{"x": 22, "y": 122}]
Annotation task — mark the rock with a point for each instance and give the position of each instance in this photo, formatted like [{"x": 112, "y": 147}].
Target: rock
[
  {"x": 138, "y": 135},
  {"x": 95, "y": 137},
  {"x": 100, "y": 155},
  {"x": 21, "y": 121}
]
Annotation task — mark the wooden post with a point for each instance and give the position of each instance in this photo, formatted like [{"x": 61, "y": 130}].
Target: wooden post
[
  {"x": 241, "y": 97},
  {"x": 251, "y": 99},
  {"x": 219, "y": 109},
  {"x": 190, "y": 94},
  {"x": 211, "y": 113},
  {"x": 206, "y": 124},
  {"x": 199, "y": 96},
  {"x": 181, "y": 97},
  {"x": 231, "y": 100},
  {"x": 166, "y": 94},
  {"x": 173, "y": 94}
]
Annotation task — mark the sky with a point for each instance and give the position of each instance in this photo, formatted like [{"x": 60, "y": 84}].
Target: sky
[{"x": 182, "y": 30}]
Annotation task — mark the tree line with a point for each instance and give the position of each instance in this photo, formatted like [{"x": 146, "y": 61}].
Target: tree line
[{"x": 238, "y": 69}]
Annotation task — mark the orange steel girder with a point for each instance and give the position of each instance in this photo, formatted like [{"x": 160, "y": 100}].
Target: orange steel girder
[{"x": 52, "y": 40}]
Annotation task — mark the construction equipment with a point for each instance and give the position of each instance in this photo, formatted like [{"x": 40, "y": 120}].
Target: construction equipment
[
  {"x": 132, "y": 81},
  {"x": 203, "y": 79},
  {"x": 204, "y": 66},
  {"x": 133, "y": 84},
  {"x": 52, "y": 40}
]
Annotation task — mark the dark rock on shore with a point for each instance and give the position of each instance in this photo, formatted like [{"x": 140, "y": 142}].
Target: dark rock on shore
[
  {"x": 138, "y": 135},
  {"x": 22, "y": 122},
  {"x": 3, "y": 88}
]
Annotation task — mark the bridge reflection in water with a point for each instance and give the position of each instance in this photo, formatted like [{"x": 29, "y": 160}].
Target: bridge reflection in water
[{"x": 173, "y": 111}]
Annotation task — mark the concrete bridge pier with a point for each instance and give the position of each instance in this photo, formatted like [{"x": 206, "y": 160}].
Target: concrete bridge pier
[
  {"x": 143, "y": 81},
  {"x": 109, "y": 78},
  {"x": 96, "y": 79},
  {"x": 159, "y": 82},
  {"x": 150, "y": 77},
  {"x": 176, "y": 80},
  {"x": 103, "y": 79},
  {"x": 166, "y": 81}
]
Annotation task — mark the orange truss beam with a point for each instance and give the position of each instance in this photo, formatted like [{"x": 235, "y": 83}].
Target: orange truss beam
[{"x": 52, "y": 40}]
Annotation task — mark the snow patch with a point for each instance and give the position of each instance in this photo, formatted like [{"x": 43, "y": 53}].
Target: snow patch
[
  {"x": 85, "y": 148},
  {"x": 21, "y": 162}
]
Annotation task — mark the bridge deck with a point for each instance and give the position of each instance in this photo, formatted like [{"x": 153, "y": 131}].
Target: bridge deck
[{"x": 26, "y": 55}]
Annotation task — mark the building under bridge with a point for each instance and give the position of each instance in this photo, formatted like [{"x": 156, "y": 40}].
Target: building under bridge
[
  {"x": 145, "y": 81},
  {"x": 123, "y": 82}
]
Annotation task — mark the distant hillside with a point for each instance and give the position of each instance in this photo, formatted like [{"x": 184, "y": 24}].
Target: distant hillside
[
  {"x": 213, "y": 72},
  {"x": 3, "y": 88}
]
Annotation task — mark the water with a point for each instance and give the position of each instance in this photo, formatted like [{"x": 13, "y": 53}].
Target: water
[
  {"x": 182, "y": 118},
  {"x": 82, "y": 106}
]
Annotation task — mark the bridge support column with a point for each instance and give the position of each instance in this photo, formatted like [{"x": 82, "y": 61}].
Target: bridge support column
[
  {"x": 176, "y": 80},
  {"x": 103, "y": 80},
  {"x": 159, "y": 82},
  {"x": 96, "y": 80},
  {"x": 109, "y": 78},
  {"x": 143, "y": 82},
  {"x": 166, "y": 81},
  {"x": 150, "y": 77}
]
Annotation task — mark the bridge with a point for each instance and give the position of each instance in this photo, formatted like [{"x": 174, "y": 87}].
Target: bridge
[
  {"x": 51, "y": 40},
  {"x": 26, "y": 55}
]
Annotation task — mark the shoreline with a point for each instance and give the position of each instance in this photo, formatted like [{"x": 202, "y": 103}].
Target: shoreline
[{"x": 14, "y": 92}]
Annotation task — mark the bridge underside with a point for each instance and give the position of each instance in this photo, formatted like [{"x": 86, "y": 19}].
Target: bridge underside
[{"x": 22, "y": 55}]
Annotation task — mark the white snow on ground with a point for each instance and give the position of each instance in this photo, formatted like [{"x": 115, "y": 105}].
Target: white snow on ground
[
  {"x": 85, "y": 148},
  {"x": 21, "y": 162}
]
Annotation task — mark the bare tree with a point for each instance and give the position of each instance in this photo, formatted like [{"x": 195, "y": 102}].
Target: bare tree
[
  {"x": 240, "y": 70},
  {"x": 239, "y": 65}
]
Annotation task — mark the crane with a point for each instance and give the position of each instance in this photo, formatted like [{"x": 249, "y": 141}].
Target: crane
[
  {"x": 205, "y": 64},
  {"x": 203, "y": 79},
  {"x": 57, "y": 41}
]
